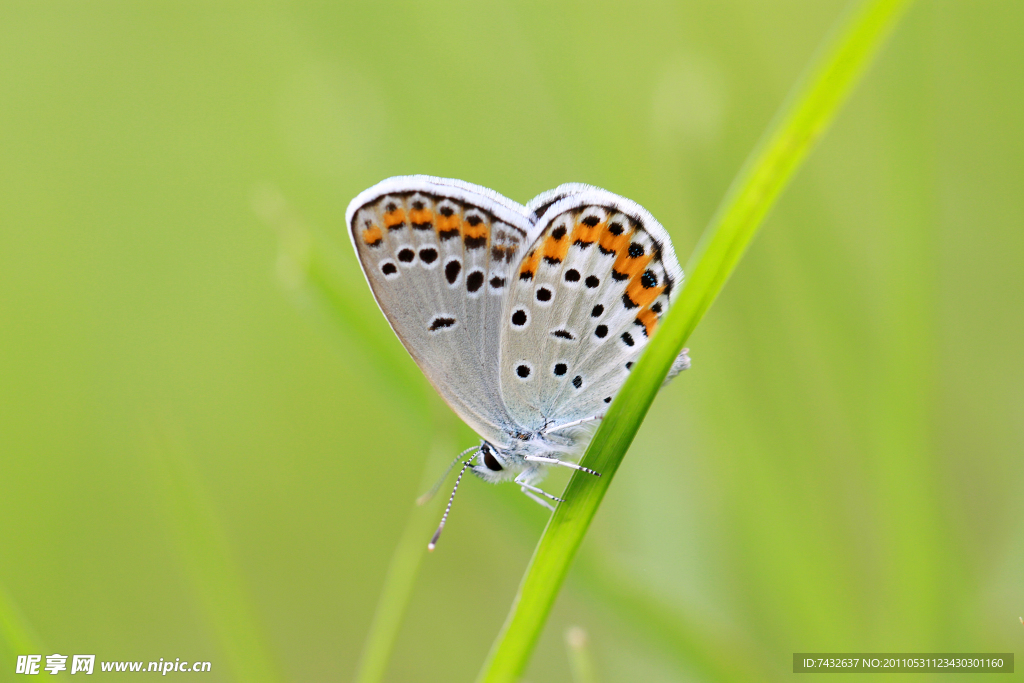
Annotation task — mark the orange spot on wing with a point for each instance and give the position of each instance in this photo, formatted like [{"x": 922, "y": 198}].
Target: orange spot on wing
[
  {"x": 393, "y": 218},
  {"x": 633, "y": 267},
  {"x": 481, "y": 229},
  {"x": 448, "y": 224},
  {"x": 372, "y": 236},
  {"x": 649, "y": 319},
  {"x": 587, "y": 234},
  {"x": 421, "y": 216},
  {"x": 530, "y": 263},
  {"x": 640, "y": 295},
  {"x": 556, "y": 249},
  {"x": 610, "y": 242}
]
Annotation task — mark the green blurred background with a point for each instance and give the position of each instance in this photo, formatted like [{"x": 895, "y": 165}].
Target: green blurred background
[{"x": 199, "y": 459}]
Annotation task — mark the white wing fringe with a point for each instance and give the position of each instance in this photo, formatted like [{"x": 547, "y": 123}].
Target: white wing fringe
[{"x": 682, "y": 362}]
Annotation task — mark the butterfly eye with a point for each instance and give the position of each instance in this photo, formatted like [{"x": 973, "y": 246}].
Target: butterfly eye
[{"x": 491, "y": 462}]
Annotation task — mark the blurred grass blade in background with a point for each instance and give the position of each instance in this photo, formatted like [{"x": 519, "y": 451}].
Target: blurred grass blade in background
[
  {"x": 209, "y": 562},
  {"x": 310, "y": 267},
  {"x": 401, "y": 575},
  {"x": 812, "y": 105},
  {"x": 708, "y": 650},
  {"x": 581, "y": 664},
  {"x": 16, "y": 636}
]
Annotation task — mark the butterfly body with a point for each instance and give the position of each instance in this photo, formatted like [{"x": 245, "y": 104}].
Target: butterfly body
[{"x": 526, "y": 319}]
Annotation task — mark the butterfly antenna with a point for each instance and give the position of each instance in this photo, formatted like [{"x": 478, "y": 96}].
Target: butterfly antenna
[
  {"x": 444, "y": 518},
  {"x": 425, "y": 498}
]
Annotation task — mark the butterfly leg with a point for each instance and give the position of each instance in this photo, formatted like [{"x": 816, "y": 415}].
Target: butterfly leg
[
  {"x": 574, "y": 423},
  {"x": 529, "y": 489},
  {"x": 562, "y": 463},
  {"x": 538, "y": 499}
]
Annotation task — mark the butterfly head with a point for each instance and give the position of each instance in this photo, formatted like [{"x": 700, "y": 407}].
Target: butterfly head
[{"x": 494, "y": 465}]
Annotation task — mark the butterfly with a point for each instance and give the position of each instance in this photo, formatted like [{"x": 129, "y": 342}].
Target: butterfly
[{"x": 525, "y": 319}]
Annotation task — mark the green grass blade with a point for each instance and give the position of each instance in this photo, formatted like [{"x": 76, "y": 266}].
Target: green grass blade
[
  {"x": 703, "y": 648},
  {"x": 812, "y": 105},
  {"x": 402, "y": 572},
  {"x": 209, "y": 561},
  {"x": 581, "y": 664},
  {"x": 16, "y": 636},
  {"x": 310, "y": 267},
  {"x": 312, "y": 270}
]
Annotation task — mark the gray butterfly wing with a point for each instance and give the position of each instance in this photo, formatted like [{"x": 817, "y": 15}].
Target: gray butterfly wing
[
  {"x": 584, "y": 301},
  {"x": 438, "y": 255}
]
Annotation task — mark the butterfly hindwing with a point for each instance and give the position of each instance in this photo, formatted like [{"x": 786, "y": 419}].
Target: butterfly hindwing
[
  {"x": 588, "y": 293},
  {"x": 439, "y": 256}
]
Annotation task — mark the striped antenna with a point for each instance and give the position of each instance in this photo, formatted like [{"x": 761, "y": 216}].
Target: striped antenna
[
  {"x": 437, "y": 484},
  {"x": 444, "y": 518}
]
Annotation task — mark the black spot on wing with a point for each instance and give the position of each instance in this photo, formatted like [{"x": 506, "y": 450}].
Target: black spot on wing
[
  {"x": 475, "y": 280},
  {"x": 451, "y": 271},
  {"x": 440, "y": 323}
]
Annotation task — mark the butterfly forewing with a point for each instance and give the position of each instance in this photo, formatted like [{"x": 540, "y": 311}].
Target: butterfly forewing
[
  {"x": 439, "y": 256},
  {"x": 587, "y": 295}
]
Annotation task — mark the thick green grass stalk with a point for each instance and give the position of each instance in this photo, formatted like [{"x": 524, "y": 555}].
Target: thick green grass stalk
[{"x": 810, "y": 108}]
